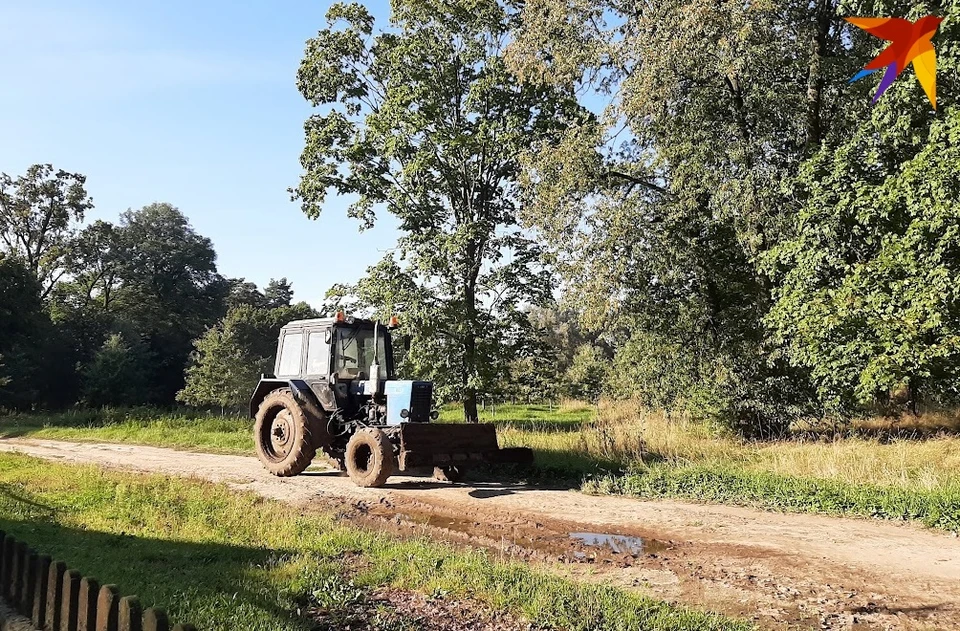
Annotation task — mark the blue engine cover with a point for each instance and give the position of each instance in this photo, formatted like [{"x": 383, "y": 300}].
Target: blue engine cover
[{"x": 416, "y": 397}]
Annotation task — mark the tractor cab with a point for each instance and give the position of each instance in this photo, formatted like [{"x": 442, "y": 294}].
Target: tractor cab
[
  {"x": 335, "y": 357},
  {"x": 341, "y": 350}
]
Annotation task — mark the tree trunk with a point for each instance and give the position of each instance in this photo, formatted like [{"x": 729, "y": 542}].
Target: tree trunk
[
  {"x": 470, "y": 359},
  {"x": 818, "y": 50},
  {"x": 470, "y": 406}
]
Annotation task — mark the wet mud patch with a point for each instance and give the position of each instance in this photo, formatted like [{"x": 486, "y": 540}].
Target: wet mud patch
[{"x": 515, "y": 536}]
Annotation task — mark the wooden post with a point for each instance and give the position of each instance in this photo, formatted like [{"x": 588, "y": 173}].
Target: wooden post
[
  {"x": 108, "y": 608},
  {"x": 54, "y": 595},
  {"x": 131, "y": 614},
  {"x": 3, "y": 560},
  {"x": 87, "y": 614},
  {"x": 20, "y": 554},
  {"x": 41, "y": 575},
  {"x": 155, "y": 620},
  {"x": 29, "y": 581},
  {"x": 71, "y": 601},
  {"x": 6, "y": 569}
]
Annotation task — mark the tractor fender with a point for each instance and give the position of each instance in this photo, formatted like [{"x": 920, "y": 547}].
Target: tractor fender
[
  {"x": 299, "y": 388},
  {"x": 304, "y": 397}
]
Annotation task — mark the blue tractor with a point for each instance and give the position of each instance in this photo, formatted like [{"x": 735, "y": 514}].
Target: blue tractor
[{"x": 334, "y": 390}]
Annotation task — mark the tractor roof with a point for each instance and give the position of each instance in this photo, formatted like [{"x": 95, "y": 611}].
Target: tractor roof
[{"x": 317, "y": 322}]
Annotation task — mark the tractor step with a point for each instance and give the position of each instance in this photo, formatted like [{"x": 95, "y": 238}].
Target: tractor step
[{"x": 439, "y": 444}]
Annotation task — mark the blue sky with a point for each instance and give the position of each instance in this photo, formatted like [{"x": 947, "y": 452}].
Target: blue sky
[{"x": 192, "y": 103}]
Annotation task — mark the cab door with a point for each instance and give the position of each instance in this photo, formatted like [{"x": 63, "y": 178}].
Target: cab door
[{"x": 317, "y": 366}]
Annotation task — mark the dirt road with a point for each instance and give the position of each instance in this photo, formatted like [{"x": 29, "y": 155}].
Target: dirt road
[{"x": 784, "y": 571}]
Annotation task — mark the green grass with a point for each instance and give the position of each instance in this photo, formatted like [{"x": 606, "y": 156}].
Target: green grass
[
  {"x": 229, "y": 560},
  {"x": 938, "y": 508},
  {"x": 144, "y": 426},
  {"x": 535, "y": 417}
]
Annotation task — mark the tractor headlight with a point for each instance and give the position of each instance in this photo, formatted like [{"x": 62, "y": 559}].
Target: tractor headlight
[{"x": 404, "y": 413}]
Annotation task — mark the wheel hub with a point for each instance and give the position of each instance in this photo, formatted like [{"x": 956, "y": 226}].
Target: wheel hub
[{"x": 281, "y": 432}]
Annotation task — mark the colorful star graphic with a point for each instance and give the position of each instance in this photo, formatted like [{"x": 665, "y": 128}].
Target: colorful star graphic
[{"x": 910, "y": 42}]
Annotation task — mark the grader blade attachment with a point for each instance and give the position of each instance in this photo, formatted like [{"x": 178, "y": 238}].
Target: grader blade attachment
[{"x": 441, "y": 444}]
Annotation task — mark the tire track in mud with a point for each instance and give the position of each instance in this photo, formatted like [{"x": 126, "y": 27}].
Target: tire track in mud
[{"x": 785, "y": 571}]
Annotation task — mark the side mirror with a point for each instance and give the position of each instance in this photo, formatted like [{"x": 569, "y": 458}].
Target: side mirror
[{"x": 327, "y": 336}]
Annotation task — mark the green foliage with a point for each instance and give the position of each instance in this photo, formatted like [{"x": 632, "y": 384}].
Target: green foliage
[
  {"x": 588, "y": 374},
  {"x": 658, "y": 235},
  {"x": 243, "y": 292},
  {"x": 23, "y": 324},
  {"x": 867, "y": 281},
  {"x": 749, "y": 159},
  {"x": 278, "y": 293},
  {"x": 95, "y": 263},
  {"x": 171, "y": 289},
  {"x": 38, "y": 215},
  {"x": 423, "y": 119},
  {"x": 230, "y": 357},
  {"x": 120, "y": 373}
]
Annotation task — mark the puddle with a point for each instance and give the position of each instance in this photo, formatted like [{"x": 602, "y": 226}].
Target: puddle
[{"x": 619, "y": 544}]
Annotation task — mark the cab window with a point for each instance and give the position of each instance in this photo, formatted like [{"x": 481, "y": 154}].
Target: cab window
[
  {"x": 318, "y": 353},
  {"x": 290, "y": 354}
]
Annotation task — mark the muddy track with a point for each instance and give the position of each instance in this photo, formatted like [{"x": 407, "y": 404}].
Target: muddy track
[{"x": 784, "y": 571}]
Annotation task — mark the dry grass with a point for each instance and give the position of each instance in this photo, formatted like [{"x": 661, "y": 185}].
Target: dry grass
[{"x": 623, "y": 433}]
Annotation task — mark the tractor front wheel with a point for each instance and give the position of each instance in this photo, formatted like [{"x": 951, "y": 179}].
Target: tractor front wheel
[
  {"x": 283, "y": 435},
  {"x": 369, "y": 458}
]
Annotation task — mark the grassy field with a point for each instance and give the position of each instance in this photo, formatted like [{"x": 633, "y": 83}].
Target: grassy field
[
  {"x": 904, "y": 470},
  {"x": 144, "y": 426},
  {"x": 227, "y": 560}
]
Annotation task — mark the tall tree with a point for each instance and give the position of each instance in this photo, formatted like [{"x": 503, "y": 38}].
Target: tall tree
[
  {"x": 119, "y": 373},
  {"x": 243, "y": 292},
  {"x": 278, "y": 293},
  {"x": 170, "y": 289},
  {"x": 95, "y": 264},
  {"x": 867, "y": 280},
  {"x": 660, "y": 215},
  {"x": 23, "y": 322},
  {"x": 38, "y": 215},
  {"x": 424, "y": 120}
]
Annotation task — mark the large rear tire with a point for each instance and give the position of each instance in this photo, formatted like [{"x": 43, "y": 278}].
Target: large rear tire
[
  {"x": 369, "y": 458},
  {"x": 283, "y": 435}
]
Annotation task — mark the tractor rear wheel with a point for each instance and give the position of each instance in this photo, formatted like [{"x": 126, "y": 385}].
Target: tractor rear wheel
[
  {"x": 283, "y": 435},
  {"x": 369, "y": 457}
]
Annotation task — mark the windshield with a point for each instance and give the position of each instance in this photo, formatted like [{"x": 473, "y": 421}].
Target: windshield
[{"x": 353, "y": 353}]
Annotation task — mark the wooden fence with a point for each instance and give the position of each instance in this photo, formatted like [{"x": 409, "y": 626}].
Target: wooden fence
[{"x": 55, "y": 598}]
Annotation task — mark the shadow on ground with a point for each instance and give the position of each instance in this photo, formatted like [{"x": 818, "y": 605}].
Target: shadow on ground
[{"x": 181, "y": 577}]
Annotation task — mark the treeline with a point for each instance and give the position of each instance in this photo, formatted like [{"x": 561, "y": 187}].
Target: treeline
[
  {"x": 740, "y": 233},
  {"x": 107, "y": 313}
]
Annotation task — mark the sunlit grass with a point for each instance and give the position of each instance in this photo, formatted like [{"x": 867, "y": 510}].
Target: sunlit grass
[{"x": 145, "y": 426}]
